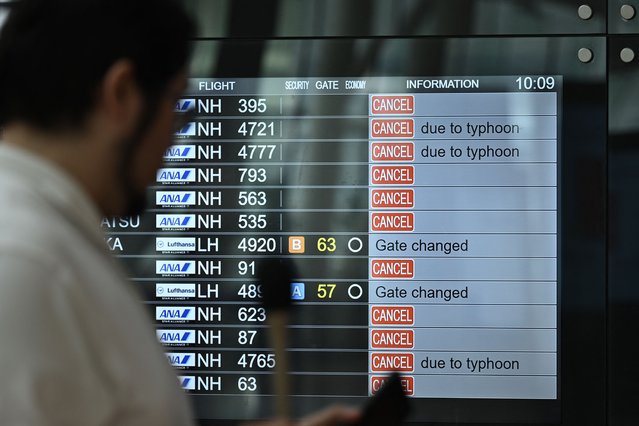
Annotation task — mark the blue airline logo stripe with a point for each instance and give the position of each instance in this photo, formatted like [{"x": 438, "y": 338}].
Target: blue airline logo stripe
[
  {"x": 187, "y": 130},
  {"x": 178, "y": 359},
  {"x": 176, "y": 175},
  {"x": 187, "y": 382},
  {"x": 163, "y": 267},
  {"x": 176, "y": 337},
  {"x": 169, "y": 221},
  {"x": 184, "y": 105},
  {"x": 175, "y": 198},
  {"x": 180, "y": 152},
  {"x": 174, "y": 313}
]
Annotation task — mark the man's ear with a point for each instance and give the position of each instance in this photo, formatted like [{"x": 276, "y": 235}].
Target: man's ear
[{"x": 119, "y": 96}]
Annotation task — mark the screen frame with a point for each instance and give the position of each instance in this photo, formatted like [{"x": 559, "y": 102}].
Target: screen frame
[{"x": 582, "y": 270}]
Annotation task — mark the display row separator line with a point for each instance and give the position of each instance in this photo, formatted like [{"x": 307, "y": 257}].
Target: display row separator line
[
  {"x": 469, "y": 374},
  {"x": 291, "y": 140},
  {"x": 284, "y": 210},
  {"x": 243, "y": 395},
  {"x": 344, "y": 373},
  {"x": 195, "y": 187},
  {"x": 201, "y": 302},
  {"x": 363, "y": 187},
  {"x": 414, "y": 303},
  {"x": 252, "y": 326},
  {"x": 179, "y": 326},
  {"x": 371, "y": 303},
  {"x": 255, "y": 117},
  {"x": 369, "y": 209},
  {"x": 164, "y": 233},
  {"x": 345, "y": 93},
  {"x": 459, "y": 116},
  {"x": 293, "y": 349},
  {"x": 295, "y": 210},
  {"x": 187, "y": 256},
  {"x": 252, "y": 139},
  {"x": 365, "y": 115},
  {"x": 194, "y": 370},
  {"x": 240, "y": 303},
  {"x": 362, "y": 279},
  {"x": 280, "y": 163},
  {"x": 348, "y": 327},
  {"x": 242, "y": 349},
  {"x": 422, "y": 351},
  {"x": 160, "y": 280},
  {"x": 390, "y": 139},
  {"x": 366, "y": 139},
  {"x": 331, "y": 373},
  {"x": 157, "y": 324},
  {"x": 393, "y": 327}
]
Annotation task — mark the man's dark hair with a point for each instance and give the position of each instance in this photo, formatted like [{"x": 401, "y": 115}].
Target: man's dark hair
[{"x": 54, "y": 53}]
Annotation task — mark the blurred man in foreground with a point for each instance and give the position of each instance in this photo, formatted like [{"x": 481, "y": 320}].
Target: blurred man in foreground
[{"x": 87, "y": 93}]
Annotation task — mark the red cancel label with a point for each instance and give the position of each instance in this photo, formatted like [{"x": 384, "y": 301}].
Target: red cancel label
[
  {"x": 392, "y": 105},
  {"x": 393, "y": 222},
  {"x": 408, "y": 384},
  {"x": 393, "y": 198},
  {"x": 392, "y": 175},
  {"x": 392, "y": 339},
  {"x": 393, "y": 268},
  {"x": 392, "y": 362},
  {"x": 389, "y": 151},
  {"x": 392, "y": 315},
  {"x": 389, "y": 128}
]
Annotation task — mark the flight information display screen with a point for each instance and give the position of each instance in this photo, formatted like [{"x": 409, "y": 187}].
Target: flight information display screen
[{"x": 421, "y": 214}]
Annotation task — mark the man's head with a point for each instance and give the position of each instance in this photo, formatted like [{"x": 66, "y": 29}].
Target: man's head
[{"x": 104, "y": 72}]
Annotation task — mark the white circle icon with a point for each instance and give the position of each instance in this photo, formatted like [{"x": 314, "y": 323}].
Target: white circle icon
[
  {"x": 355, "y": 291},
  {"x": 355, "y": 245}
]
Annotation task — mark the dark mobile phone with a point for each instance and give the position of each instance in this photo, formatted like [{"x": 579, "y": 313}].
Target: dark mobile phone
[{"x": 388, "y": 407}]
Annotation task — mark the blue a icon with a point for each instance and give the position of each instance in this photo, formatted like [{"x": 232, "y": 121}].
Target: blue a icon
[{"x": 297, "y": 291}]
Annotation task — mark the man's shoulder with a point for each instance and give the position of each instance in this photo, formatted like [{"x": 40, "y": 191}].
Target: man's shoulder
[
  {"x": 27, "y": 226},
  {"x": 30, "y": 250},
  {"x": 34, "y": 236}
]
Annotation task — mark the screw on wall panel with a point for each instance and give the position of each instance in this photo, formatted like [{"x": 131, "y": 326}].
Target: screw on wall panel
[
  {"x": 584, "y": 12},
  {"x": 627, "y": 12},
  {"x": 627, "y": 55},
  {"x": 585, "y": 55}
]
